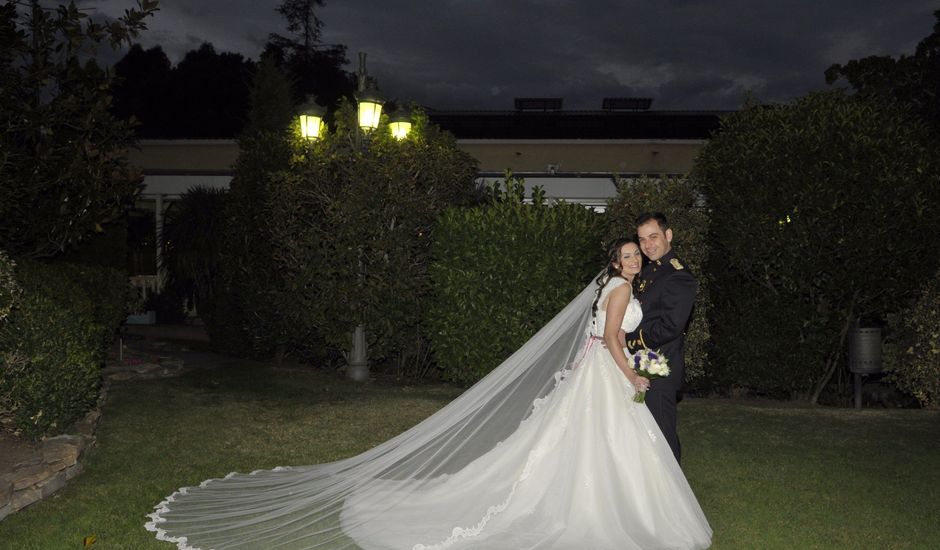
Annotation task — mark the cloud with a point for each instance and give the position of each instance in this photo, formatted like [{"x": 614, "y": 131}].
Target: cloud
[{"x": 479, "y": 54}]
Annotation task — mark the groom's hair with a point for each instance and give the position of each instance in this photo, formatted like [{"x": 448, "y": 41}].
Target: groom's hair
[{"x": 648, "y": 216}]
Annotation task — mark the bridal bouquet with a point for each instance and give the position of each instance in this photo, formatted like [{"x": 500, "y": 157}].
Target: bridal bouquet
[{"x": 650, "y": 365}]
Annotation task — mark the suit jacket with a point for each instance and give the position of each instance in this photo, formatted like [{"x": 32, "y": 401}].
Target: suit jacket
[{"x": 667, "y": 293}]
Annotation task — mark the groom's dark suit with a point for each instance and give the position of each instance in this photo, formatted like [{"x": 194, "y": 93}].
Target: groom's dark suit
[{"x": 667, "y": 294}]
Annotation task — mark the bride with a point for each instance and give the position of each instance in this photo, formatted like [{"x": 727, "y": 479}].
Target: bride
[{"x": 549, "y": 451}]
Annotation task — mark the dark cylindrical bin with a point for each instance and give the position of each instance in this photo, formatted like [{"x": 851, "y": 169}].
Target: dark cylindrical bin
[{"x": 865, "y": 350}]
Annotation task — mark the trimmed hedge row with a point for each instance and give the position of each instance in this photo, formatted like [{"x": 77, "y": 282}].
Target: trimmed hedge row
[
  {"x": 54, "y": 341},
  {"x": 500, "y": 272},
  {"x": 804, "y": 196}
]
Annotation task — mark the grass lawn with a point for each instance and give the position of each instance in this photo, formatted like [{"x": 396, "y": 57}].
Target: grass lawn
[{"x": 768, "y": 475}]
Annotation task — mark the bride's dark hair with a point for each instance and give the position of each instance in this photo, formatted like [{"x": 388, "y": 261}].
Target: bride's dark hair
[{"x": 613, "y": 254}]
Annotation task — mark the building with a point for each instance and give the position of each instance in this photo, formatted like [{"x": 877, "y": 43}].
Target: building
[{"x": 572, "y": 155}]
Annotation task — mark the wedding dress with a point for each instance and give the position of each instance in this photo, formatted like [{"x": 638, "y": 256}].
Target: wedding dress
[{"x": 579, "y": 466}]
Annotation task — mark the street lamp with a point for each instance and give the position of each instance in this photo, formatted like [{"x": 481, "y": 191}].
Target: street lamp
[
  {"x": 312, "y": 126},
  {"x": 400, "y": 125},
  {"x": 369, "y": 98}
]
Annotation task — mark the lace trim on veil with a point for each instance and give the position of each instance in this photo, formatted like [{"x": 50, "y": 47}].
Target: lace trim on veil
[
  {"x": 156, "y": 517},
  {"x": 310, "y": 499},
  {"x": 532, "y": 460}
]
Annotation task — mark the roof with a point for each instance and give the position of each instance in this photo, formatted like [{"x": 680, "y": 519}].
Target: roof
[{"x": 607, "y": 124}]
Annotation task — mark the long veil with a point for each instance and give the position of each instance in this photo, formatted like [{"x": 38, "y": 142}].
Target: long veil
[{"x": 302, "y": 507}]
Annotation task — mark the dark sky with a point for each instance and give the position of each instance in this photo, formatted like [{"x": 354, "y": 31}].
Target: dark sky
[{"x": 480, "y": 54}]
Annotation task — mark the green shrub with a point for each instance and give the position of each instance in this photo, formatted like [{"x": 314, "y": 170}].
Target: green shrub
[
  {"x": 109, "y": 293},
  {"x": 9, "y": 289},
  {"x": 351, "y": 225},
  {"x": 64, "y": 169},
  {"x": 917, "y": 369},
  {"x": 50, "y": 348},
  {"x": 107, "y": 246},
  {"x": 246, "y": 316},
  {"x": 500, "y": 272},
  {"x": 680, "y": 200},
  {"x": 193, "y": 244},
  {"x": 819, "y": 211}
]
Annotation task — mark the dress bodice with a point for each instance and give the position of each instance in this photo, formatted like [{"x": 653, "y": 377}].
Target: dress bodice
[{"x": 632, "y": 317}]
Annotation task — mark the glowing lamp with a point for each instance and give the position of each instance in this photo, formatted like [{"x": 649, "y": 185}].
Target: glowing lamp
[
  {"x": 312, "y": 126},
  {"x": 370, "y": 110},
  {"x": 400, "y": 126}
]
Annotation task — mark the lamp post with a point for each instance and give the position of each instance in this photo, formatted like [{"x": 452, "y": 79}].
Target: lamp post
[
  {"x": 369, "y": 99},
  {"x": 370, "y": 103}
]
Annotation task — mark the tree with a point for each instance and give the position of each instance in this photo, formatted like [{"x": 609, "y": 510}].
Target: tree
[
  {"x": 820, "y": 211},
  {"x": 141, "y": 90},
  {"x": 251, "y": 290},
  {"x": 354, "y": 218},
  {"x": 209, "y": 94},
  {"x": 314, "y": 68},
  {"x": 912, "y": 80},
  {"x": 63, "y": 170},
  {"x": 192, "y": 242},
  {"x": 204, "y": 96}
]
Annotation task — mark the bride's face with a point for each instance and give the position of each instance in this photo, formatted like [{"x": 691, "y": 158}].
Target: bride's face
[{"x": 631, "y": 260}]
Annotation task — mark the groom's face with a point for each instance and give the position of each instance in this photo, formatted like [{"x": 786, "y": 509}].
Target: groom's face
[{"x": 654, "y": 242}]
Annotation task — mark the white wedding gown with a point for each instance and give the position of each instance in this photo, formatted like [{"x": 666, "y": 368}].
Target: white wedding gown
[
  {"x": 548, "y": 451},
  {"x": 588, "y": 469}
]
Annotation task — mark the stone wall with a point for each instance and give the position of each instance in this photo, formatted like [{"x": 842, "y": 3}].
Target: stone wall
[{"x": 52, "y": 462}]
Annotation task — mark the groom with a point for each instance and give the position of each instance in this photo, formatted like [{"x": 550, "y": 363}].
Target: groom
[{"x": 666, "y": 293}]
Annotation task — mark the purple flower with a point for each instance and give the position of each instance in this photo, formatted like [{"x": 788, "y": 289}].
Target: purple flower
[{"x": 653, "y": 356}]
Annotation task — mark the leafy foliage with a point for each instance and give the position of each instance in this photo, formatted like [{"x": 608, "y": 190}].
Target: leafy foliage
[
  {"x": 193, "y": 240},
  {"x": 62, "y": 165},
  {"x": 819, "y": 209},
  {"x": 503, "y": 270},
  {"x": 110, "y": 295},
  {"x": 315, "y": 69},
  {"x": 204, "y": 96},
  {"x": 917, "y": 369},
  {"x": 910, "y": 80},
  {"x": 354, "y": 220},
  {"x": 51, "y": 346},
  {"x": 107, "y": 246},
  {"x": 141, "y": 89},
  {"x": 208, "y": 93},
  {"x": 9, "y": 289},
  {"x": 246, "y": 313},
  {"x": 681, "y": 201}
]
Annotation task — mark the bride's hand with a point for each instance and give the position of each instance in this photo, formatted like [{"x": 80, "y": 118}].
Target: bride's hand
[{"x": 640, "y": 383}]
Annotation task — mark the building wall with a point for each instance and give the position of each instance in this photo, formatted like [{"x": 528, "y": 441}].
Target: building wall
[
  {"x": 184, "y": 156},
  {"x": 584, "y": 156},
  {"x": 171, "y": 166}
]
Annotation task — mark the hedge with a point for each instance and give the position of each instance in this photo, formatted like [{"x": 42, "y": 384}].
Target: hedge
[
  {"x": 820, "y": 208},
  {"x": 54, "y": 341},
  {"x": 500, "y": 272},
  {"x": 917, "y": 369},
  {"x": 9, "y": 288}
]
